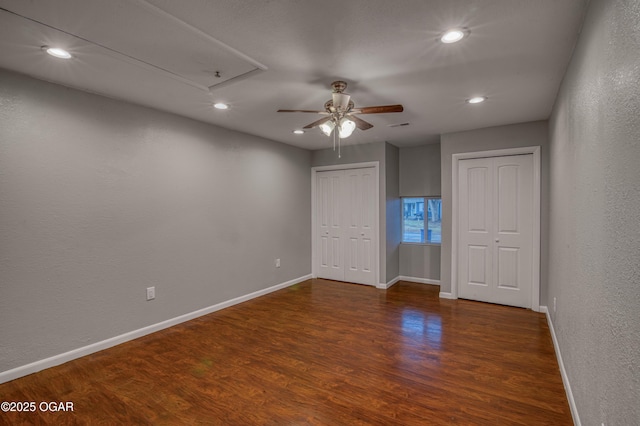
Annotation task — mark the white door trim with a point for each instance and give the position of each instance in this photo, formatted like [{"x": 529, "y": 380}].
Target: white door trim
[
  {"x": 535, "y": 279},
  {"x": 376, "y": 171}
]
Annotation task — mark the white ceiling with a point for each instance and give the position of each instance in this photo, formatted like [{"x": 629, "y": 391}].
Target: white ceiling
[{"x": 283, "y": 54}]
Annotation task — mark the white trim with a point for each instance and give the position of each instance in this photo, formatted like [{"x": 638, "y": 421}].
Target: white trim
[
  {"x": 384, "y": 286},
  {"x": 535, "y": 276},
  {"x": 563, "y": 371},
  {"x": 446, "y": 295},
  {"x": 419, "y": 280},
  {"x": 314, "y": 254},
  {"x": 42, "y": 364}
]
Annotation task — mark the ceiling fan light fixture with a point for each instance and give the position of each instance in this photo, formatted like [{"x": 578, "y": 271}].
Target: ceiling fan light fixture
[
  {"x": 346, "y": 127},
  {"x": 57, "y": 52},
  {"x": 327, "y": 127},
  {"x": 453, "y": 35},
  {"x": 220, "y": 105},
  {"x": 341, "y": 101}
]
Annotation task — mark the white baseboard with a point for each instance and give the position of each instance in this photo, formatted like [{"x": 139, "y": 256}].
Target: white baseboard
[
  {"x": 563, "y": 371},
  {"x": 384, "y": 286},
  {"x": 419, "y": 280},
  {"x": 40, "y": 365},
  {"x": 443, "y": 295}
]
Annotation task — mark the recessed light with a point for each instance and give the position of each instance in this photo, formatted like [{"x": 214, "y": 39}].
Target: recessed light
[
  {"x": 476, "y": 100},
  {"x": 57, "y": 52},
  {"x": 220, "y": 105},
  {"x": 453, "y": 35},
  {"x": 298, "y": 132}
]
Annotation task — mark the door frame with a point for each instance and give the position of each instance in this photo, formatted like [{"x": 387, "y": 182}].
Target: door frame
[
  {"x": 376, "y": 194},
  {"x": 535, "y": 278}
]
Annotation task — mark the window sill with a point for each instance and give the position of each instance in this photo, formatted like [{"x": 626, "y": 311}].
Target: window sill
[{"x": 420, "y": 244}]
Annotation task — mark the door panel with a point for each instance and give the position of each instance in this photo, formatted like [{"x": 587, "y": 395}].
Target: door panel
[
  {"x": 508, "y": 198},
  {"x": 360, "y": 230},
  {"x": 495, "y": 221},
  {"x": 345, "y": 226},
  {"x": 514, "y": 230},
  {"x": 479, "y": 191},
  {"x": 476, "y": 232},
  {"x": 329, "y": 200},
  {"x": 508, "y": 259},
  {"x": 478, "y": 265}
]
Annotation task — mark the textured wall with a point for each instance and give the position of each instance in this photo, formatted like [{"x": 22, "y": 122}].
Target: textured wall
[
  {"x": 101, "y": 199},
  {"x": 420, "y": 176},
  {"x": 420, "y": 171},
  {"x": 420, "y": 261},
  {"x": 594, "y": 257},
  {"x": 393, "y": 217},
  {"x": 512, "y": 136}
]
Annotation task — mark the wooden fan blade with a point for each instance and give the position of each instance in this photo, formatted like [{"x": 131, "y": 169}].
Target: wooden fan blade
[
  {"x": 303, "y": 110},
  {"x": 377, "y": 109},
  {"x": 360, "y": 123},
  {"x": 317, "y": 123}
]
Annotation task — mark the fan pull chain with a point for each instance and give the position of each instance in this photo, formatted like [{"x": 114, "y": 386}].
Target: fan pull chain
[{"x": 334, "y": 139}]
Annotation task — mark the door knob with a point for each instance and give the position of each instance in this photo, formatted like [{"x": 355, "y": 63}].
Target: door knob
[
  {"x": 362, "y": 234},
  {"x": 497, "y": 240}
]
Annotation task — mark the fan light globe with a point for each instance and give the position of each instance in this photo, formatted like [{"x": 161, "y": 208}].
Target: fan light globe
[
  {"x": 346, "y": 127},
  {"x": 327, "y": 127}
]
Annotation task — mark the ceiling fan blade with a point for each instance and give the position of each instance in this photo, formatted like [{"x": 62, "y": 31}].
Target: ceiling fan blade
[
  {"x": 360, "y": 123},
  {"x": 317, "y": 123},
  {"x": 303, "y": 110},
  {"x": 377, "y": 109}
]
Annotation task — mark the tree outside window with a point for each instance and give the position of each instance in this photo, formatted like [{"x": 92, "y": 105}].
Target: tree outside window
[{"x": 414, "y": 218}]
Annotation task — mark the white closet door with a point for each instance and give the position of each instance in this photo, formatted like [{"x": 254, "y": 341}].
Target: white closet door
[
  {"x": 329, "y": 192},
  {"x": 359, "y": 250},
  {"x": 345, "y": 203},
  {"x": 496, "y": 229}
]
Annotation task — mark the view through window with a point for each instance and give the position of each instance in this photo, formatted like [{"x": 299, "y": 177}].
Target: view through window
[{"x": 422, "y": 220}]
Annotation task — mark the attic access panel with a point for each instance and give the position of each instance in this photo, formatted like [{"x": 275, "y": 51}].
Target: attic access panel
[{"x": 141, "y": 33}]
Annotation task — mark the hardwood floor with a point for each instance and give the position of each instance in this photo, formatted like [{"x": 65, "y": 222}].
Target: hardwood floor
[{"x": 320, "y": 353}]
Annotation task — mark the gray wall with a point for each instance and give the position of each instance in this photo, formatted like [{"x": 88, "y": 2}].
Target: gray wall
[
  {"x": 516, "y": 135},
  {"x": 101, "y": 199},
  {"x": 420, "y": 171},
  {"x": 594, "y": 257},
  {"x": 419, "y": 177},
  {"x": 393, "y": 215}
]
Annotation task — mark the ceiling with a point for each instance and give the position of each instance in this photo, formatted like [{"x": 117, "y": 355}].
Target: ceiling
[{"x": 284, "y": 54}]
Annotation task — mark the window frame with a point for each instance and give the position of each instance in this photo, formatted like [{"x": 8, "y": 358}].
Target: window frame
[{"x": 425, "y": 220}]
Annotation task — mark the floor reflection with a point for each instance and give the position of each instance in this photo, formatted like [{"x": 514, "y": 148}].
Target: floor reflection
[{"x": 421, "y": 326}]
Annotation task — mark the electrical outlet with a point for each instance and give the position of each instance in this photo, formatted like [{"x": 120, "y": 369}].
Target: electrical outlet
[
  {"x": 277, "y": 263},
  {"x": 151, "y": 293},
  {"x": 554, "y": 305}
]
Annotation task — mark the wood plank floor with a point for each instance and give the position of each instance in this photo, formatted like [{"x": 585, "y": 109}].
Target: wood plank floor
[{"x": 319, "y": 353}]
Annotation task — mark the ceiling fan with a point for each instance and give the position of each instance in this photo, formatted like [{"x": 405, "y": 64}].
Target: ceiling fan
[{"x": 339, "y": 112}]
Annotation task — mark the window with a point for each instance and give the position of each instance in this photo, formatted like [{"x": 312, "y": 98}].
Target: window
[{"x": 414, "y": 212}]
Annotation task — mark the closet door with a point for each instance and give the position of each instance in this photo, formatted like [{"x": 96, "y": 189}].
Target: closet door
[
  {"x": 360, "y": 214},
  {"x": 496, "y": 229},
  {"x": 329, "y": 204},
  {"x": 346, "y": 224}
]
